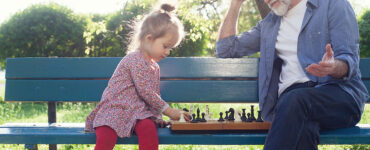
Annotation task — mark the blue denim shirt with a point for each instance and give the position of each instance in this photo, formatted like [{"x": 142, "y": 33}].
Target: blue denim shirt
[{"x": 325, "y": 21}]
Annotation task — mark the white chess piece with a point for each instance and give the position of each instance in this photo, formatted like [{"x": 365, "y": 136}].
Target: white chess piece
[
  {"x": 237, "y": 116},
  {"x": 182, "y": 119},
  {"x": 191, "y": 111}
]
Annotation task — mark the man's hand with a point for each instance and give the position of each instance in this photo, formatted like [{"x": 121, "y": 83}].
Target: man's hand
[
  {"x": 328, "y": 66},
  {"x": 229, "y": 24}
]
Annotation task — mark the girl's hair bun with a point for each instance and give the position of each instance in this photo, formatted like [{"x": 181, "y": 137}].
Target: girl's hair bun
[{"x": 167, "y": 7}]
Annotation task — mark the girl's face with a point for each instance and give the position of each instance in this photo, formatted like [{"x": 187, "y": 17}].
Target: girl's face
[{"x": 158, "y": 49}]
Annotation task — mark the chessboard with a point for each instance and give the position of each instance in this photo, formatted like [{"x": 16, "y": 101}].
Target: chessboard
[
  {"x": 216, "y": 125},
  {"x": 232, "y": 121}
]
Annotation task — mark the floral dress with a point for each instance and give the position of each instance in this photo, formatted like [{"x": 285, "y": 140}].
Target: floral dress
[{"x": 132, "y": 94}]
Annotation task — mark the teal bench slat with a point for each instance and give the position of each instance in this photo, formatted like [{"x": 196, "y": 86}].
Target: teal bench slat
[
  {"x": 103, "y": 67},
  {"x": 76, "y": 135},
  {"x": 364, "y": 67},
  {"x": 171, "y": 90}
]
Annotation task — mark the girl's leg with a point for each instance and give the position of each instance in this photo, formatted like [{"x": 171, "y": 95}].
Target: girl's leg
[
  {"x": 147, "y": 133},
  {"x": 106, "y": 138}
]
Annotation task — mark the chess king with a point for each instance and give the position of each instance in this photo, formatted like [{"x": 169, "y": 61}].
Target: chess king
[{"x": 309, "y": 77}]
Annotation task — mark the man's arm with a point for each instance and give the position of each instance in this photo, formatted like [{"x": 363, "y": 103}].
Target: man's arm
[
  {"x": 231, "y": 46},
  {"x": 229, "y": 25},
  {"x": 344, "y": 39}
]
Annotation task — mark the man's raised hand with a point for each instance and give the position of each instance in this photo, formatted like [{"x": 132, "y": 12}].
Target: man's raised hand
[{"x": 326, "y": 66}]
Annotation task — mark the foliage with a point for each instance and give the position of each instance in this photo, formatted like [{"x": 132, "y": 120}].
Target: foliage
[
  {"x": 41, "y": 31},
  {"x": 364, "y": 27}
]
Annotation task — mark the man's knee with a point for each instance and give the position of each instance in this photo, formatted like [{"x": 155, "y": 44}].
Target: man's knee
[{"x": 295, "y": 100}]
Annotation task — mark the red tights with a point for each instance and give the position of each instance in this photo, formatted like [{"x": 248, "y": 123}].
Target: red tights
[{"x": 145, "y": 129}]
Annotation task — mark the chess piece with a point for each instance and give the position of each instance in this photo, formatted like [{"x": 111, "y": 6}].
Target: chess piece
[
  {"x": 184, "y": 109},
  {"x": 226, "y": 115},
  {"x": 221, "y": 119},
  {"x": 231, "y": 115},
  {"x": 191, "y": 108},
  {"x": 198, "y": 115},
  {"x": 194, "y": 120},
  {"x": 182, "y": 119},
  {"x": 203, "y": 119},
  {"x": 244, "y": 117},
  {"x": 249, "y": 118},
  {"x": 237, "y": 116},
  {"x": 252, "y": 114},
  {"x": 207, "y": 113},
  {"x": 259, "y": 118}
]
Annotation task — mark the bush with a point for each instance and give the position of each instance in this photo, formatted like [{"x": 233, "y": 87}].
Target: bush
[
  {"x": 364, "y": 27},
  {"x": 41, "y": 31}
]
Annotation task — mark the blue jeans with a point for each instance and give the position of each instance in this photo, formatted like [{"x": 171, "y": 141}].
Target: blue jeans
[{"x": 302, "y": 110}]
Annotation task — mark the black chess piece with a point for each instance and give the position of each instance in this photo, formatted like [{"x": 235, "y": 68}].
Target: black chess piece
[
  {"x": 252, "y": 114},
  {"x": 249, "y": 118},
  {"x": 231, "y": 115},
  {"x": 259, "y": 118},
  {"x": 226, "y": 116},
  {"x": 184, "y": 109},
  {"x": 221, "y": 119},
  {"x": 198, "y": 115},
  {"x": 203, "y": 119},
  {"x": 244, "y": 117},
  {"x": 194, "y": 120}
]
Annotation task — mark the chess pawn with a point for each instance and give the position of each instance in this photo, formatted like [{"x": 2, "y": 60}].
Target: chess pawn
[
  {"x": 194, "y": 120},
  {"x": 237, "y": 116},
  {"x": 249, "y": 118},
  {"x": 203, "y": 119},
  {"x": 221, "y": 119},
  {"x": 182, "y": 119}
]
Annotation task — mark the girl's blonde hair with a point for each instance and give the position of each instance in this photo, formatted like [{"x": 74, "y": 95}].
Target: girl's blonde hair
[{"x": 157, "y": 23}]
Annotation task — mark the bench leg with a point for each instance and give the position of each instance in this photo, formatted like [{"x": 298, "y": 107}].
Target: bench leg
[
  {"x": 52, "y": 147},
  {"x": 31, "y": 146}
]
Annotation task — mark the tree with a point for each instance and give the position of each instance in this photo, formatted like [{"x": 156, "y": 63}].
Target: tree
[
  {"x": 42, "y": 31},
  {"x": 364, "y": 27}
]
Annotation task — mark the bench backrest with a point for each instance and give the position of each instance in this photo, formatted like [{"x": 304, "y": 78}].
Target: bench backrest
[{"x": 210, "y": 80}]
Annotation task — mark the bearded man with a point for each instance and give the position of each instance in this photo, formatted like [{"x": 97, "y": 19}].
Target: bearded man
[{"x": 309, "y": 77}]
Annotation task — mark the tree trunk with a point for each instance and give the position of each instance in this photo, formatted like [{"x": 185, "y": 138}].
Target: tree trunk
[{"x": 263, "y": 8}]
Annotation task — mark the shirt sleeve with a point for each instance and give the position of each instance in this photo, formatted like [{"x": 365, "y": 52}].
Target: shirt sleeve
[
  {"x": 344, "y": 35},
  {"x": 245, "y": 44},
  {"x": 143, "y": 77}
]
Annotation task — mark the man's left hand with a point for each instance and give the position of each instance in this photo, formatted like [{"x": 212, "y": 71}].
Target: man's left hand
[{"x": 326, "y": 66}]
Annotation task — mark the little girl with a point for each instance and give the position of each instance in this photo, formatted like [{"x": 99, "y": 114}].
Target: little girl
[{"x": 131, "y": 102}]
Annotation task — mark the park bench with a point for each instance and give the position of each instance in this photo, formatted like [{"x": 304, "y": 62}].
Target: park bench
[{"x": 183, "y": 80}]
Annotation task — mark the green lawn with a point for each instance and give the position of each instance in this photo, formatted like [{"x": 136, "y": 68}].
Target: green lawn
[{"x": 77, "y": 112}]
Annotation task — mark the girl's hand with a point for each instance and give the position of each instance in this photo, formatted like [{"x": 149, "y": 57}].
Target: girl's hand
[
  {"x": 161, "y": 123},
  {"x": 175, "y": 114}
]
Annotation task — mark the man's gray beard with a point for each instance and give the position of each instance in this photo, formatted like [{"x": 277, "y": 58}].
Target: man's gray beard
[{"x": 282, "y": 8}]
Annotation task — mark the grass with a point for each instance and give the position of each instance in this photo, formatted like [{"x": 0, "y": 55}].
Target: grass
[{"x": 77, "y": 112}]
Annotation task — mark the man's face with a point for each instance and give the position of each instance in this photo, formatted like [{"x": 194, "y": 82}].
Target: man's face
[{"x": 279, "y": 7}]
